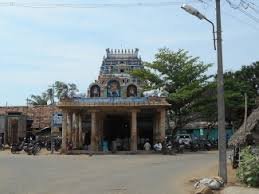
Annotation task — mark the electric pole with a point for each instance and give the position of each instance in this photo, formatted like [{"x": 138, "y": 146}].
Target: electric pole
[{"x": 221, "y": 104}]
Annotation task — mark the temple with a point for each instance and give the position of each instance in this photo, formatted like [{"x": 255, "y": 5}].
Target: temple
[{"x": 114, "y": 109}]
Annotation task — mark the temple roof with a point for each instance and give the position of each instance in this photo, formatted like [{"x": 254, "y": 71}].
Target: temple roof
[{"x": 114, "y": 101}]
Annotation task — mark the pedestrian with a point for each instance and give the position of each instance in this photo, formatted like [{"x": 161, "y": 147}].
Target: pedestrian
[{"x": 147, "y": 146}]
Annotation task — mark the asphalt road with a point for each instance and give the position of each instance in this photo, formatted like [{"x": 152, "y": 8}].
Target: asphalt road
[{"x": 103, "y": 174}]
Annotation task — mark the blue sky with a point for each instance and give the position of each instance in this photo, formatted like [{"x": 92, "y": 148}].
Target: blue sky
[{"x": 40, "y": 46}]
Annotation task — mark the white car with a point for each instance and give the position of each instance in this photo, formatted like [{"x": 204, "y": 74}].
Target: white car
[{"x": 185, "y": 138}]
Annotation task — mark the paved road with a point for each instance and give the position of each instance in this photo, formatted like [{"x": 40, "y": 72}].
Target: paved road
[{"x": 110, "y": 174}]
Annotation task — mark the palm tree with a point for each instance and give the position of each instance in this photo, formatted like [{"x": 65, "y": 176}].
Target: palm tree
[{"x": 38, "y": 99}]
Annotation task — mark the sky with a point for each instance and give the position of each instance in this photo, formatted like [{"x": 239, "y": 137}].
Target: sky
[{"x": 39, "y": 46}]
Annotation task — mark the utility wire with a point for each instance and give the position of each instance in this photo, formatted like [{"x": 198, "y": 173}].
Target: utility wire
[
  {"x": 94, "y": 5},
  {"x": 233, "y": 16},
  {"x": 243, "y": 7}
]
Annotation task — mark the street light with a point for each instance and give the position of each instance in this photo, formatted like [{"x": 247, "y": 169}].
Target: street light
[
  {"x": 195, "y": 12},
  {"x": 220, "y": 87}
]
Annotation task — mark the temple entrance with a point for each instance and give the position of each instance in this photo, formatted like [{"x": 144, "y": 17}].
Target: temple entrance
[
  {"x": 116, "y": 130},
  {"x": 145, "y": 129}
]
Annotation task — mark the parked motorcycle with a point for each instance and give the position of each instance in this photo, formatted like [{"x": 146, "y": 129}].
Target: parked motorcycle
[
  {"x": 179, "y": 147},
  {"x": 56, "y": 142},
  {"x": 36, "y": 148},
  {"x": 17, "y": 147},
  {"x": 194, "y": 146},
  {"x": 28, "y": 148},
  {"x": 204, "y": 144},
  {"x": 167, "y": 148}
]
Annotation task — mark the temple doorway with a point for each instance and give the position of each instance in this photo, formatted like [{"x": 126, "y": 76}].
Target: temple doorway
[{"x": 116, "y": 130}]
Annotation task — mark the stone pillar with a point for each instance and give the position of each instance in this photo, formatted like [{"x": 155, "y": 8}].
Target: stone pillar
[
  {"x": 64, "y": 133},
  {"x": 133, "y": 146},
  {"x": 80, "y": 130},
  {"x": 69, "y": 127},
  {"x": 162, "y": 124},
  {"x": 155, "y": 128},
  {"x": 77, "y": 131},
  {"x": 74, "y": 129},
  {"x": 93, "y": 131}
]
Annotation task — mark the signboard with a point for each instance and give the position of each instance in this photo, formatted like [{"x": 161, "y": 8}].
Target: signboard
[{"x": 57, "y": 120}]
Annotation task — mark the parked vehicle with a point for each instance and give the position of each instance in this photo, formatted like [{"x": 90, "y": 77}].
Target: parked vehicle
[
  {"x": 56, "y": 143},
  {"x": 178, "y": 146},
  {"x": 204, "y": 144},
  {"x": 28, "y": 148},
  {"x": 167, "y": 148},
  {"x": 184, "y": 138},
  {"x": 194, "y": 146},
  {"x": 17, "y": 147},
  {"x": 214, "y": 144},
  {"x": 36, "y": 148}
]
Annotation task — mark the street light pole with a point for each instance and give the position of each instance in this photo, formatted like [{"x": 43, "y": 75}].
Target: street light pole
[
  {"x": 220, "y": 87},
  {"x": 220, "y": 98}
]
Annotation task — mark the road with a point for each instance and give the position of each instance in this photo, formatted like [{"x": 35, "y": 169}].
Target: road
[{"x": 103, "y": 174}]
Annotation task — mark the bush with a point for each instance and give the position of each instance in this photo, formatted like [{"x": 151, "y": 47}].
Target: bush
[{"x": 248, "y": 171}]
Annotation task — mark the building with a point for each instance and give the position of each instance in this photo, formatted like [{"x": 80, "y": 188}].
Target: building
[
  {"x": 114, "y": 109},
  {"x": 203, "y": 129},
  {"x": 19, "y": 121}
]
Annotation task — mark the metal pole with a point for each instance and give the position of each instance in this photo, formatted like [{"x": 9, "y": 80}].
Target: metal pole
[{"x": 221, "y": 104}]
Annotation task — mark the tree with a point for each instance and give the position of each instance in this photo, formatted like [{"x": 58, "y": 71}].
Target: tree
[
  {"x": 236, "y": 84},
  {"x": 60, "y": 90},
  {"x": 38, "y": 99},
  {"x": 178, "y": 74},
  {"x": 64, "y": 90}
]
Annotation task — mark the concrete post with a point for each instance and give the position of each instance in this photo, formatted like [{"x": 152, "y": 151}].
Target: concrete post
[
  {"x": 80, "y": 130},
  {"x": 93, "y": 131},
  {"x": 133, "y": 131},
  {"x": 64, "y": 132}
]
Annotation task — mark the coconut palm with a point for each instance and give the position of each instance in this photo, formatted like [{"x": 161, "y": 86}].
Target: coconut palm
[{"x": 38, "y": 99}]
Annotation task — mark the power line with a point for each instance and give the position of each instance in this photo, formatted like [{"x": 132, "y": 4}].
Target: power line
[
  {"x": 231, "y": 15},
  {"x": 249, "y": 15},
  {"x": 94, "y": 5},
  {"x": 243, "y": 7}
]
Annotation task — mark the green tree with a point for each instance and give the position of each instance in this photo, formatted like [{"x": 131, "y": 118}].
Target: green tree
[
  {"x": 236, "y": 84},
  {"x": 64, "y": 90},
  {"x": 60, "y": 90},
  {"x": 178, "y": 74},
  {"x": 38, "y": 99}
]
